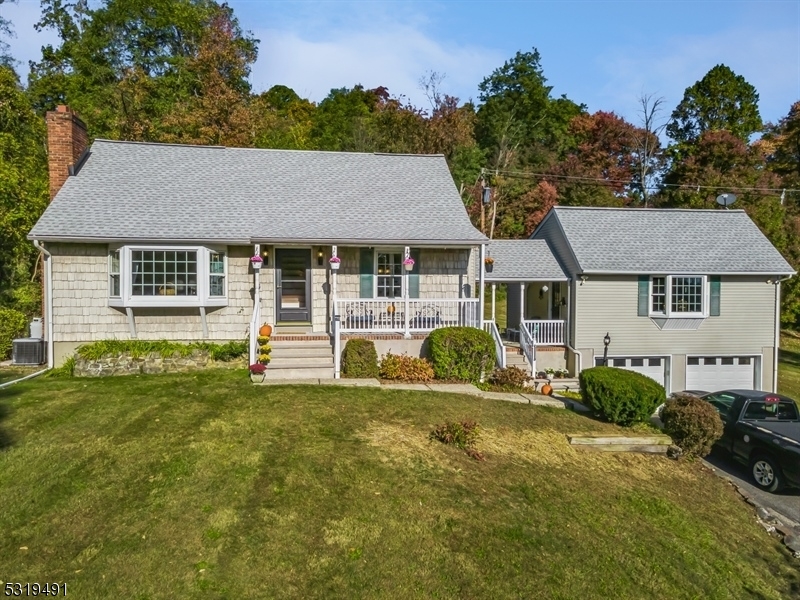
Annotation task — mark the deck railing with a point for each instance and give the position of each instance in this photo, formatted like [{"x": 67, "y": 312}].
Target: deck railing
[
  {"x": 545, "y": 333},
  {"x": 366, "y": 315}
]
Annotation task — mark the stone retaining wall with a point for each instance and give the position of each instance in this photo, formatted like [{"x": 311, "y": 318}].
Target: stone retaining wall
[{"x": 125, "y": 364}]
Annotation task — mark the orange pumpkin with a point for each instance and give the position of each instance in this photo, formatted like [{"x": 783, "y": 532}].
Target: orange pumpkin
[
  {"x": 265, "y": 331},
  {"x": 547, "y": 389}
]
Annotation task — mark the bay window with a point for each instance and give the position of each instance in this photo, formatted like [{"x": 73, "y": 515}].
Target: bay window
[{"x": 167, "y": 276}]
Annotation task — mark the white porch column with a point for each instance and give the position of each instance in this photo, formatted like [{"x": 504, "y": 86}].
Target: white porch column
[
  {"x": 494, "y": 296},
  {"x": 481, "y": 284},
  {"x": 406, "y": 331},
  {"x": 254, "y": 321},
  {"x": 522, "y": 299}
]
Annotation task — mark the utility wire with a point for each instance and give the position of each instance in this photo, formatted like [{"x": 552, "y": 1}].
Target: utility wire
[{"x": 529, "y": 175}]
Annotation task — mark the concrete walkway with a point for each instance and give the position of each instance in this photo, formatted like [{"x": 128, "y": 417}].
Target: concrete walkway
[{"x": 450, "y": 388}]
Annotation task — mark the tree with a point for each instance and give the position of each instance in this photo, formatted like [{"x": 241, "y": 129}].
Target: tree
[
  {"x": 720, "y": 101},
  {"x": 6, "y": 31},
  {"x": 23, "y": 192},
  {"x": 650, "y": 157},
  {"x": 127, "y": 63},
  {"x": 781, "y": 143}
]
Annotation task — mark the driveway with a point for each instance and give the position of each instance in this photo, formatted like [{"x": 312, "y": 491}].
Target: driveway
[{"x": 786, "y": 502}]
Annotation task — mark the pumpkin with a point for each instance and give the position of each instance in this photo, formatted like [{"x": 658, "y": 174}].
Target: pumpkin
[
  {"x": 265, "y": 330},
  {"x": 547, "y": 389}
]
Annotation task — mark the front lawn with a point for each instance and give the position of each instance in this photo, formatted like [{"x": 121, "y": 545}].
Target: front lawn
[{"x": 204, "y": 486}]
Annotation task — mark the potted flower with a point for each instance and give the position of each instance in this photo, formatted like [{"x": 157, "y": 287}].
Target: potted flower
[
  {"x": 334, "y": 261},
  {"x": 256, "y": 261},
  {"x": 408, "y": 263},
  {"x": 488, "y": 263},
  {"x": 257, "y": 369}
]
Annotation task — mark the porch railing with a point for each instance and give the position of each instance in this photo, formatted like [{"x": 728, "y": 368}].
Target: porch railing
[
  {"x": 528, "y": 346},
  {"x": 545, "y": 333},
  {"x": 366, "y": 315},
  {"x": 499, "y": 347}
]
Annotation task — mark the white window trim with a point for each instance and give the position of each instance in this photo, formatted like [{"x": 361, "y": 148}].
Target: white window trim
[
  {"x": 668, "y": 314},
  {"x": 203, "y": 297},
  {"x": 401, "y": 252}
]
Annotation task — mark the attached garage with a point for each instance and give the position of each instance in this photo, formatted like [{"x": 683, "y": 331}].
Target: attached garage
[
  {"x": 712, "y": 373},
  {"x": 655, "y": 367}
]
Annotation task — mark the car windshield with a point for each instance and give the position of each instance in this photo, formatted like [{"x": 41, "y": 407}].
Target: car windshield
[{"x": 781, "y": 411}]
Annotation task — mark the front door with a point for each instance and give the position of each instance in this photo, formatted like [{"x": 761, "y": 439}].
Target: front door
[{"x": 293, "y": 285}]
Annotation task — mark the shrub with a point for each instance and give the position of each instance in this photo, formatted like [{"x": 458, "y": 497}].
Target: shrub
[
  {"x": 461, "y": 434},
  {"x": 620, "y": 396},
  {"x": 692, "y": 423},
  {"x": 359, "y": 359},
  {"x": 511, "y": 378},
  {"x": 461, "y": 353},
  {"x": 165, "y": 348},
  {"x": 403, "y": 367},
  {"x": 13, "y": 324}
]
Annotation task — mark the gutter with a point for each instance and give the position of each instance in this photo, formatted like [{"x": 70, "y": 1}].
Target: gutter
[
  {"x": 679, "y": 272},
  {"x": 776, "y": 345},
  {"x": 48, "y": 298}
]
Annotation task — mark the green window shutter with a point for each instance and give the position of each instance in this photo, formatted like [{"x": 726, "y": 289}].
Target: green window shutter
[
  {"x": 713, "y": 309},
  {"x": 644, "y": 295},
  {"x": 367, "y": 270},
  {"x": 413, "y": 277}
]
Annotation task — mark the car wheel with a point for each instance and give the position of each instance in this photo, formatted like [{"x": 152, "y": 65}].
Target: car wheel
[{"x": 766, "y": 473}]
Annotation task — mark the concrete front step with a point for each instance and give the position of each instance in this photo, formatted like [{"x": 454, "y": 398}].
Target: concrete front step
[
  {"x": 317, "y": 372},
  {"x": 304, "y": 352},
  {"x": 299, "y": 362}
]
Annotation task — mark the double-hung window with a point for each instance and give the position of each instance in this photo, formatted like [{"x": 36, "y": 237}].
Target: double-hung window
[
  {"x": 389, "y": 275},
  {"x": 678, "y": 296},
  {"x": 167, "y": 276}
]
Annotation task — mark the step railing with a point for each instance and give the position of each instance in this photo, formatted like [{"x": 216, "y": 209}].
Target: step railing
[
  {"x": 499, "y": 347},
  {"x": 528, "y": 347},
  {"x": 545, "y": 333}
]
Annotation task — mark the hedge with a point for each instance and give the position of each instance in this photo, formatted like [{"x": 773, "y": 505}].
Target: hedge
[
  {"x": 461, "y": 353},
  {"x": 359, "y": 359},
  {"x": 620, "y": 396},
  {"x": 13, "y": 324}
]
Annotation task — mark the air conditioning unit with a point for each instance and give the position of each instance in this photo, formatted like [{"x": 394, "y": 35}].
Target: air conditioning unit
[{"x": 27, "y": 351}]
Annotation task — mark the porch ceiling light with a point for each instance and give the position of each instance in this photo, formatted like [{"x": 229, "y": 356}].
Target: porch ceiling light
[{"x": 543, "y": 291}]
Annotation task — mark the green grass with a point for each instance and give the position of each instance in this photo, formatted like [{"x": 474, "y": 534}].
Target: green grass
[
  {"x": 204, "y": 486},
  {"x": 789, "y": 365},
  {"x": 12, "y": 373}
]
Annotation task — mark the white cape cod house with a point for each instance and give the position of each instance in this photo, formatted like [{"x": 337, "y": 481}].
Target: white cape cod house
[{"x": 154, "y": 241}]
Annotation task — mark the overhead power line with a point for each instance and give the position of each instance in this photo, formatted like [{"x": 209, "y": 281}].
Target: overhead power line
[{"x": 598, "y": 180}]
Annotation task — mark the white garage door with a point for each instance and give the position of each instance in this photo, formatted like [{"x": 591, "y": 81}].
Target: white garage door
[
  {"x": 654, "y": 367},
  {"x": 713, "y": 373}
]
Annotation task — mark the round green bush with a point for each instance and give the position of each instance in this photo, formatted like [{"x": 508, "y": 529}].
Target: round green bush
[
  {"x": 692, "y": 423},
  {"x": 620, "y": 396},
  {"x": 461, "y": 353},
  {"x": 360, "y": 360},
  {"x": 13, "y": 324}
]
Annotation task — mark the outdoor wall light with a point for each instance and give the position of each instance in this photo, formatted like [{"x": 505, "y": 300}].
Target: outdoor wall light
[
  {"x": 543, "y": 291},
  {"x": 265, "y": 256},
  {"x": 606, "y": 342},
  {"x": 320, "y": 257}
]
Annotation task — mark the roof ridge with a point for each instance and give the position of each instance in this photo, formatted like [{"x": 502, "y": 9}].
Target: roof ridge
[{"x": 217, "y": 147}]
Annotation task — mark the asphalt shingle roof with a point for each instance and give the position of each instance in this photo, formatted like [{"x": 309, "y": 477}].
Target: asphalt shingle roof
[
  {"x": 140, "y": 191},
  {"x": 627, "y": 240},
  {"x": 523, "y": 260}
]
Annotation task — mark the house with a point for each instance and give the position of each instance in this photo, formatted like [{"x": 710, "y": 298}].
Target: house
[
  {"x": 156, "y": 241},
  {"x": 690, "y": 298},
  {"x": 163, "y": 241}
]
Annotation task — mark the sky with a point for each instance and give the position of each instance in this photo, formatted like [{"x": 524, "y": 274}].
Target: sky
[{"x": 603, "y": 53}]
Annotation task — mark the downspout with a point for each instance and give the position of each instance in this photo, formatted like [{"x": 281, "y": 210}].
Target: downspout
[
  {"x": 573, "y": 322},
  {"x": 48, "y": 301},
  {"x": 776, "y": 345}
]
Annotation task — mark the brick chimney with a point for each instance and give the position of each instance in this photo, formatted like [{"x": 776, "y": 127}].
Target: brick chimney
[{"x": 66, "y": 141}]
